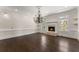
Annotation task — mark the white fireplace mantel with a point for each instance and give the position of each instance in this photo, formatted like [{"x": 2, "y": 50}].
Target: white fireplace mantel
[{"x": 44, "y": 26}]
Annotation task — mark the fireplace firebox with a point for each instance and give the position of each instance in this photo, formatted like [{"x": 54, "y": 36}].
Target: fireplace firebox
[{"x": 51, "y": 28}]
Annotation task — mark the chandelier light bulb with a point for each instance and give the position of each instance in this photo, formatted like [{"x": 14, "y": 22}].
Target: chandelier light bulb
[{"x": 38, "y": 18}]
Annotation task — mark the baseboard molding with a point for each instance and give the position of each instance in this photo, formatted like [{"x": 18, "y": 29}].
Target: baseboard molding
[
  {"x": 69, "y": 34},
  {"x": 17, "y": 36},
  {"x": 5, "y": 34},
  {"x": 68, "y": 37}
]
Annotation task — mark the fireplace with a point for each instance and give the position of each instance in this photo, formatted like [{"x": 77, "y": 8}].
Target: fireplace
[{"x": 51, "y": 28}]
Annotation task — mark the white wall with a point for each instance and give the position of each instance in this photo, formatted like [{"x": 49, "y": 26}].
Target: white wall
[
  {"x": 50, "y": 21},
  {"x": 72, "y": 30},
  {"x": 78, "y": 23},
  {"x": 17, "y": 22},
  {"x": 21, "y": 22}
]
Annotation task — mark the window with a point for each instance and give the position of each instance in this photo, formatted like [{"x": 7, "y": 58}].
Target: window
[{"x": 63, "y": 25}]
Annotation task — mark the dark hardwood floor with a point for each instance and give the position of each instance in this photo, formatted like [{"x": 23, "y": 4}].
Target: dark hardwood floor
[{"x": 39, "y": 42}]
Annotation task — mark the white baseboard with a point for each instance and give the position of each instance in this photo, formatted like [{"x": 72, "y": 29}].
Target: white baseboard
[
  {"x": 74, "y": 35},
  {"x": 5, "y": 34},
  {"x": 78, "y": 36},
  {"x": 69, "y": 34}
]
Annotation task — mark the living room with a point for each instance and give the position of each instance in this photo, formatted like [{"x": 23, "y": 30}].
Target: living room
[{"x": 39, "y": 28}]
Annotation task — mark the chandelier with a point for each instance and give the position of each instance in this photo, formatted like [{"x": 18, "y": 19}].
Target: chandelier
[{"x": 38, "y": 18}]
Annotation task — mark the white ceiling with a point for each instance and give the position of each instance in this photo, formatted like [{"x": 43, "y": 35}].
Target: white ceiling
[
  {"x": 45, "y": 10},
  {"x": 54, "y": 9}
]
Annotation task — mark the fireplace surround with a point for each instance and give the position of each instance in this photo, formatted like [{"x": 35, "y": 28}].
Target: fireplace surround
[{"x": 49, "y": 28}]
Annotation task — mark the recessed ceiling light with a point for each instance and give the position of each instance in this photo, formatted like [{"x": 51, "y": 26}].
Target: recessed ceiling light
[
  {"x": 66, "y": 6},
  {"x": 16, "y": 10},
  {"x": 6, "y": 15}
]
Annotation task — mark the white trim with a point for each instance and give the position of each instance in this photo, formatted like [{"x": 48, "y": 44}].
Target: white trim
[
  {"x": 2, "y": 38},
  {"x": 10, "y": 33},
  {"x": 78, "y": 36},
  {"x": 16, "y": 29}
]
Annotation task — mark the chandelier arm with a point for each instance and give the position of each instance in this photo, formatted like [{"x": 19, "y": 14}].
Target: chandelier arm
[{"x": 38, "y": 18}]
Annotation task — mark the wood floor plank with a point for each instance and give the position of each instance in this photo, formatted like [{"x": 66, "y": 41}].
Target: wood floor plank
[{"x": 39, "y": 42}]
